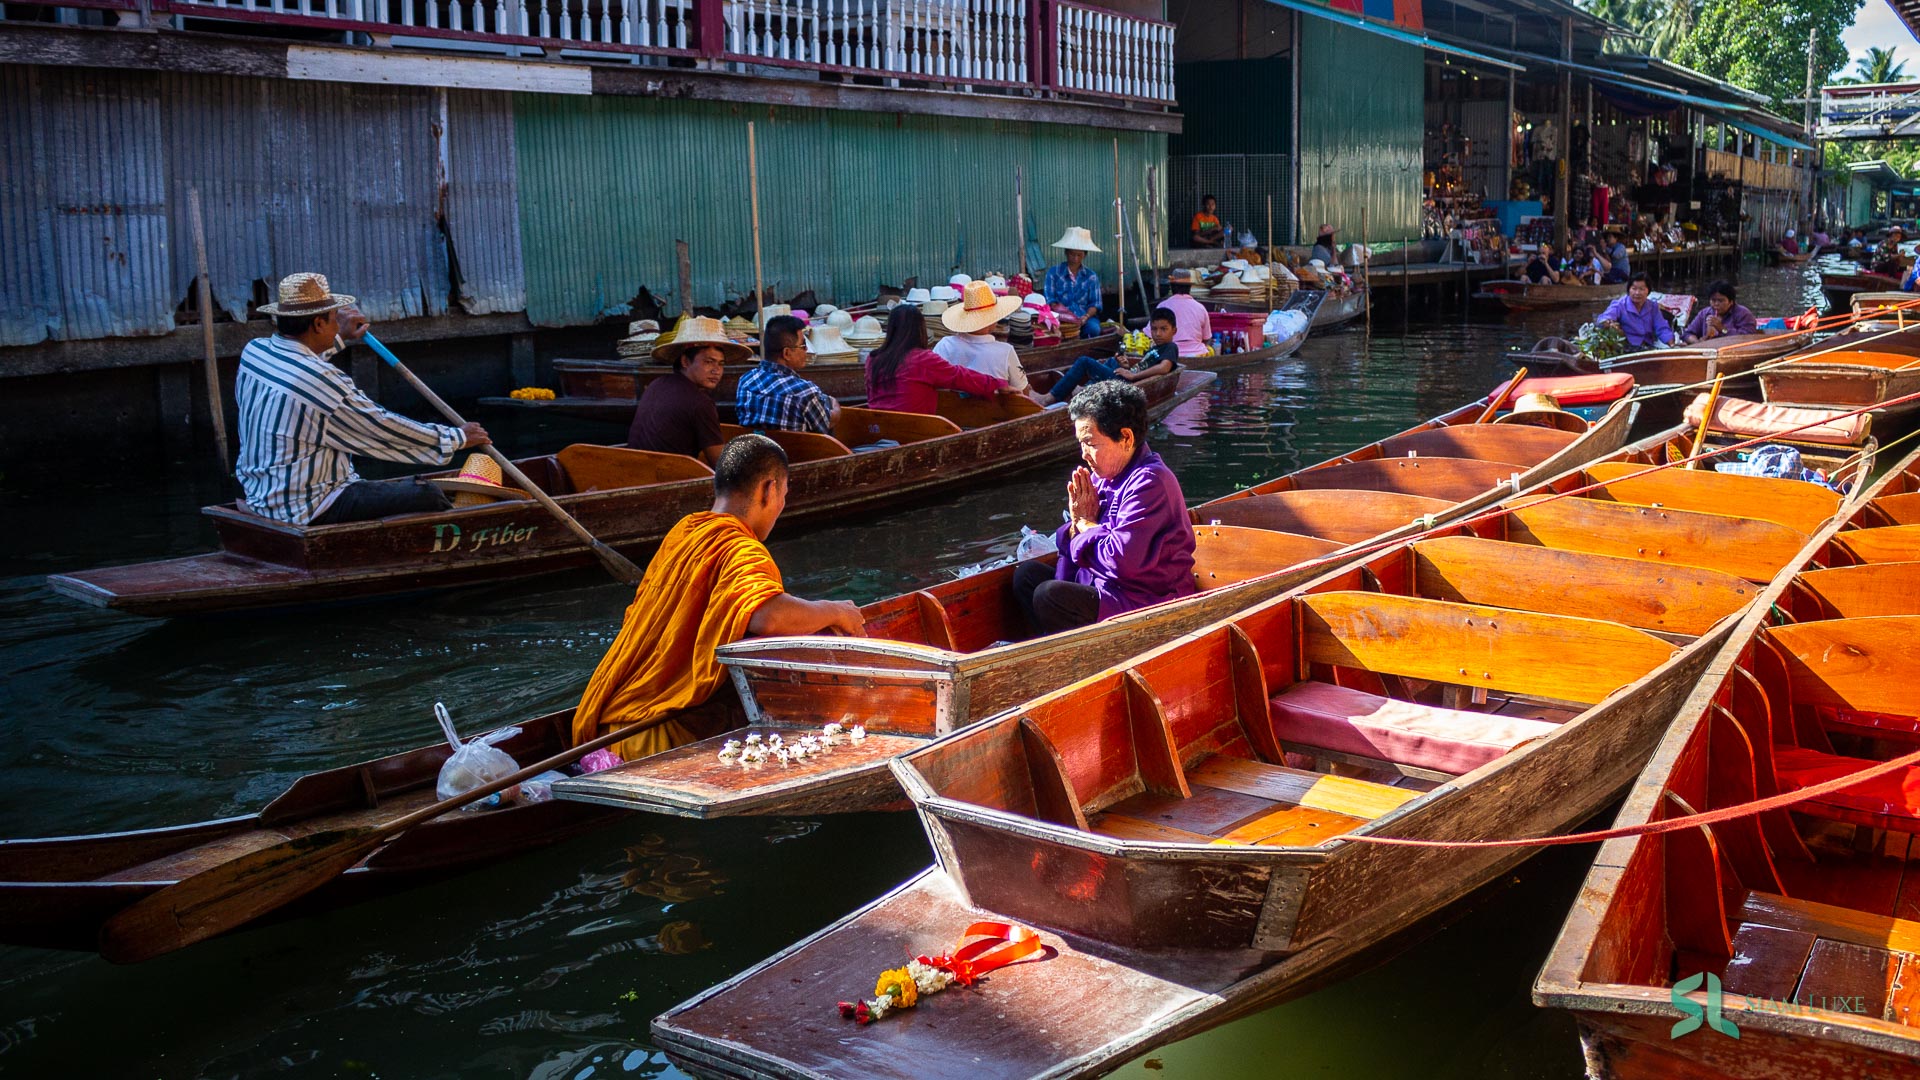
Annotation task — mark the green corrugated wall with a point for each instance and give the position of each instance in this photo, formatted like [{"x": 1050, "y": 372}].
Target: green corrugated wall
[
  {"x": 1362, "y": 115},
  {"x": 848, "y": 200}
]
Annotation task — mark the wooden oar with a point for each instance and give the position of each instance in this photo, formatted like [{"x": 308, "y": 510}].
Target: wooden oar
[
  {"x": 244, "y": 889},
  {"x": 1700, "y": 437},
  {"x": 1501, "y": 398},
  {"x": 616, "y": 564}
]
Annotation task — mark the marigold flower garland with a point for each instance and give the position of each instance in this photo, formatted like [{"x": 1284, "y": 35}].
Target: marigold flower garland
[
  {"x": 903, "y": 987},
  {"x": 532, "y": 393}
]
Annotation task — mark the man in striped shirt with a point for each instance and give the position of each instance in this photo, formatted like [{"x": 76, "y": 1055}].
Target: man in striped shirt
[{"x": 302, "y": 419}]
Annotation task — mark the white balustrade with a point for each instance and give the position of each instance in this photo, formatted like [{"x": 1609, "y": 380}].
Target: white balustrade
[{"x": 1105, "y": 52}]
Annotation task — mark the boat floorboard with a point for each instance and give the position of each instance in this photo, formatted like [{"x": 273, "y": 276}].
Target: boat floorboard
[{"x": 1032, "y": 1018}]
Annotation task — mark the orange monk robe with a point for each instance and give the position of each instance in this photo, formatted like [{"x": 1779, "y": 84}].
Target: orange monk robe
[{"x": 700, "y": 591}]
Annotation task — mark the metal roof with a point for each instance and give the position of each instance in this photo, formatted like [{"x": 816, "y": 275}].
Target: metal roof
[{"x": 1361, "y": 22}]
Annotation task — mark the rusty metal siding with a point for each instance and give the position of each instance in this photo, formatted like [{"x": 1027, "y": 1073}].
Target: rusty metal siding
[
  {"x": 293, "y": 175},
  {"x": 86, "y": 159},
  {"x": 848, "y": 201}
]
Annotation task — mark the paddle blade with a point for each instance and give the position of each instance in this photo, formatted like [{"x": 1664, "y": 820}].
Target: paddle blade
[
  {"x": 618, "y": 565},
  {"x": 232, "y": 894}
]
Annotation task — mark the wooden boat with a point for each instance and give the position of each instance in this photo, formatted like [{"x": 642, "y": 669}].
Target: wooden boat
[
  {"x": 1784, "y": 258},
  {"x": 1840, "y": 285},
  {"x": 1179, "y": 827},
  {"x": 1846, "y": 379},
  {"x": 628, "y": 498},
  {"x": 1794, "y": 928},
  {"x": 1527, "y": 296},
  {"x": 1826, "y": 439},
  {"x": 943, "y": 657},
  {"x": 1338, "y": 310}
]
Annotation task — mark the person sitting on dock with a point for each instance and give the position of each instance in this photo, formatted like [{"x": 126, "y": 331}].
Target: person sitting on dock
[
  {"x": 1790, "y": 243},
  {"x": 711, "y": 583},
  {"x": 1205, "y": 226},
  {"x": 1325, "y": 247},
  {"x": 1192, "y": 326},
  {"x": 1128, "y": 542},
  {"x": 906, "y": 376},
  {"x": 1162, "y": 358},
  {"x": 302, "y": 420},
  {"x": 676, "y": 414},
  {"x": 1720, "y": 317},
  {"x": 1539, "y": 269},
  {"x": 1071, "y": 285},
  {"x": 971, "y": 344},
  {"x": 1638, "y": 317},
  {"x": 773, "y": 395}
]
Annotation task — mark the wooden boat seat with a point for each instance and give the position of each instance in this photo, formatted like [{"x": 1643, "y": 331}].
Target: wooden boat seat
[
  {"x": 799, "y": 445},
  {"x": 1800, "y": 950},
  {"x": 969, "y": 411},
  {"x": 1557, "y": 421},
  {"x": 1234, "y": 800},
  {"x": 1346, "y": 517},
  {"x": 1524, "y": 447},
  {"x": 1895, "y": 544},
  {"x": 1746, "y": 547},
  {"x": 1451, "y": 479},
  {"x": 1901, "y": 509},
  {"x": 1890, "y": 361},
  {"x": 861, "y": 427},
  {"x": 1761, "y": 419},
  {"x": 1797, "y": 506},
  {"x": 605, "y": 468},
  {"x": 1349, "y": 721},
  {"x": 1854, "y": 592},
  {"x": 1224, "y": 555}
]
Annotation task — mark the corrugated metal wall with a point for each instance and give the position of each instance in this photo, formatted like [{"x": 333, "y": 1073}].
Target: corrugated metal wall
[
  {"x": 293, "y": 175},
  {"x": 1361, "y": 116},
  {"x": 848, "y": 201}
]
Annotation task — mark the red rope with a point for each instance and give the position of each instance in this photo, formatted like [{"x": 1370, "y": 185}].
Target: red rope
[{"x": 1725, "y": 813}]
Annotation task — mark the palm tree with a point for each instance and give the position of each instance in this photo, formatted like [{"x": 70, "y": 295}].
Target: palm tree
[
  {"x": 1662, "y": 24},
  {"x": 1878, "y": 66}
]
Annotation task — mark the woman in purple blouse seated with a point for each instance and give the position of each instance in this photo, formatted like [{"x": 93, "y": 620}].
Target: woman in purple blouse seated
[
  {"x": 1722, "y": 317},
  {"x": 1637, "y": 316},
  {"x": 1128, "y": 542}
]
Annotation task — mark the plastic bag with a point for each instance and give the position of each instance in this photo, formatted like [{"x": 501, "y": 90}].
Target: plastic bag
[
  {"x": 539, "y": 789},
  {"x": 1032, "y": 545},
  {"x": 474, "y": 764}
]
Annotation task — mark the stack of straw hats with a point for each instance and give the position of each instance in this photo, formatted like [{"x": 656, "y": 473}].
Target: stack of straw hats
[
  {"x": 740, "y": 328},
  {"x": 640, "y": 339},
  {"x": 826, "y": 346},
  {"x": 866, "y": 334}
]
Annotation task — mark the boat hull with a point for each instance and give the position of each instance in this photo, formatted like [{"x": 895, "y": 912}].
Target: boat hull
[{"x": 1525, "y": 296}]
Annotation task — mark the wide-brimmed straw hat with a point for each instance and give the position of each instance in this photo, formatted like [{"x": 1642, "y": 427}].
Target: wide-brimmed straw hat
[
  {"x": 306, "y": 294},
  {"x": 478, "y": 482},
  {"x": 825, "y": 343},
  {"x": 978, "y": 309},
  {"x": 1530, "y": 403},
  {"x": 1231, "y": 283},
  {"x": 918, "y": 296},
  {"x": 946, "y": 292},
  {"x": 697, "y": 332},
  {"x": 1076, "y": 239}
]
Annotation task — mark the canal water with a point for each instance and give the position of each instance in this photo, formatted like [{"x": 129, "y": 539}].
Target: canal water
[{"x": 550, "y": 965}]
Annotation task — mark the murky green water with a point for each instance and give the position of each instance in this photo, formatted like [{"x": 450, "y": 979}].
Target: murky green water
[{"x": 550, "y": 966}]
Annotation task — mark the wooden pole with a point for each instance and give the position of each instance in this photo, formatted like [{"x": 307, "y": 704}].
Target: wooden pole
[
  {"x": 1019, "y": 221},
  {"x": 685, "y": 259},
  {"x": 753, "y": 196},
  {"x": 1119, "y": 237},
  {"x": 216, "y": 406},
  {"x": 1269, "y": 234},
  {"x": 1366, "y": 257}
]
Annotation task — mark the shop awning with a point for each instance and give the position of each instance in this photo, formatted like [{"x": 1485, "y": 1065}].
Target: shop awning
[
  {"x": 1671, "y": 95},
  {"x": 1358, "y": 22},
  {"x": 1771, "y": 136}
]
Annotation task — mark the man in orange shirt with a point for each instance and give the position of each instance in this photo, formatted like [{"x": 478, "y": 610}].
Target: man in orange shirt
[
  {"x": 1206, "y": 225},
  {"x": 711, "y": 583}
]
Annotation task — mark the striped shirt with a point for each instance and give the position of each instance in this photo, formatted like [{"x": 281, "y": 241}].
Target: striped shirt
[
  {"x": 772, "y": 395},
  {"x": 301, "y": 422}
]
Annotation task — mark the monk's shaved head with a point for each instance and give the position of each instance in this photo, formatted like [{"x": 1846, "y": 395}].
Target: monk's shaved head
[{"x": 745, "y": 463}]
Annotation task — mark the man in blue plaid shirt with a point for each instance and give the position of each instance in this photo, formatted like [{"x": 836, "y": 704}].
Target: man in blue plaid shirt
[{"x": 773, "y": 395}]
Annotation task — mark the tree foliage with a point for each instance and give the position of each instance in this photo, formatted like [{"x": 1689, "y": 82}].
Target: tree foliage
[
  {"x": 1757, "y": 44},
  {"x": 1878, "y": 66}
]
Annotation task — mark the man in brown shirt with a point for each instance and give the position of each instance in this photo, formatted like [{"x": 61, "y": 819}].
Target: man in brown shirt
[{"x": 676, "y": 414}]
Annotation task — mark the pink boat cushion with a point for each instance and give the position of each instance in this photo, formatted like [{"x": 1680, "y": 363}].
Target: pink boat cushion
[
  {"x": 1756, "y": 419},
  {"x": 1889, "y": 802},
  {"x": 1576, "y": 389},
  {"x": 1352, "y": 721}
]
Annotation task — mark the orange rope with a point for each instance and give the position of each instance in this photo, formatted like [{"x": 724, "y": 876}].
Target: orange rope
[{"x": 1725, "y": 813}]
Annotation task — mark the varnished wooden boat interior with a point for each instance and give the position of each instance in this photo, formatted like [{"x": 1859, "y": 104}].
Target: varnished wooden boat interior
[
  {"x": 1174, "y": 824},
  {"x": 1804, "y": 919},
  {"x": 1847, "y": 379},
  {"x": 628, "y": 498}
]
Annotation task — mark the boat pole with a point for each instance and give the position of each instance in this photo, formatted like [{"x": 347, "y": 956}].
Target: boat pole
[
  {"x": 753, "y": 197},
  {"x": 1706, "y": 419},
  {"x": 616, "y": 564},
  {"x": 1020, "y": 220},
  {"x": 1119, "y": 238},
  {"x": 216, "y": 408},
  {"x": 1366, "y": 281}
]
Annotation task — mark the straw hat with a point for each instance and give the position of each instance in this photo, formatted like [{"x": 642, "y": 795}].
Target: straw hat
[
  {"x": 946, "y": 292},
  {"x": 960, "y": 281},
  {"x": 934, "y": 309},
  {"x": 840, "y": 318},
  {"x": 1231, "y": 283},
  {"x": 917, "y": 296},
  {"x": 978, "y": 309},
  {"x": 1034, "y": 300},
  {"x": 1235, "y": 264},
  {"x": 478, "y": 483},
  {"x": 1076, "y": 239},
  {"x": 772, "y": 310},
  {"x": 825, "y": 343},
  {"x": 824, "y": 310},
  {"x": 306, "y": 294},
  {"x": 697, "y": 332},
  {"x": 1534, "y": 403}
]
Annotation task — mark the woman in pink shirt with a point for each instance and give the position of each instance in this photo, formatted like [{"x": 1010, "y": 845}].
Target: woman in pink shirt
[
  {"x": 1193, "y": 329},
  {"x": 906, "y": 376}
]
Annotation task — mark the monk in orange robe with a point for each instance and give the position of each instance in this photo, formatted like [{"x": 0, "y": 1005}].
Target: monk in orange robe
[{"x": 712, "y": 582}]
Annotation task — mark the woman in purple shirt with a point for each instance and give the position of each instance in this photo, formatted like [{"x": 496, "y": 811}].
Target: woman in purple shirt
[
  {"x": 1128, "y": 542},
  {"x": 1638, "y": 317},
  {"x": 1721, "y": 317}
]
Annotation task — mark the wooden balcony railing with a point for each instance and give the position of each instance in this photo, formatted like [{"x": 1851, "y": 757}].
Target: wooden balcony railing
[{"x": 1049, "y": 47}]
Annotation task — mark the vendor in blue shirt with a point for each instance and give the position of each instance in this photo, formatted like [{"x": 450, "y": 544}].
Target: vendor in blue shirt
[
  {"x": 1619, "y": 264},
  {"x": 1072, "y": 286},
  {"x": 1637, "y": 316}
]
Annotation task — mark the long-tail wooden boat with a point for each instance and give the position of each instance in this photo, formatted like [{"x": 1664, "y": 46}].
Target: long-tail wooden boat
[
  {"x": 1794, "y": 929},
  {"x": 1179, "y": 828},
  {"x": 1528, "y": 296},
  {"x": 1839, "y": 286},
  {"x": 627, "y": 498},
  {"x": 943, "y": 657},
  {"x": 1846, "y": 379},
  {"x": 1341, "y": 309}
]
